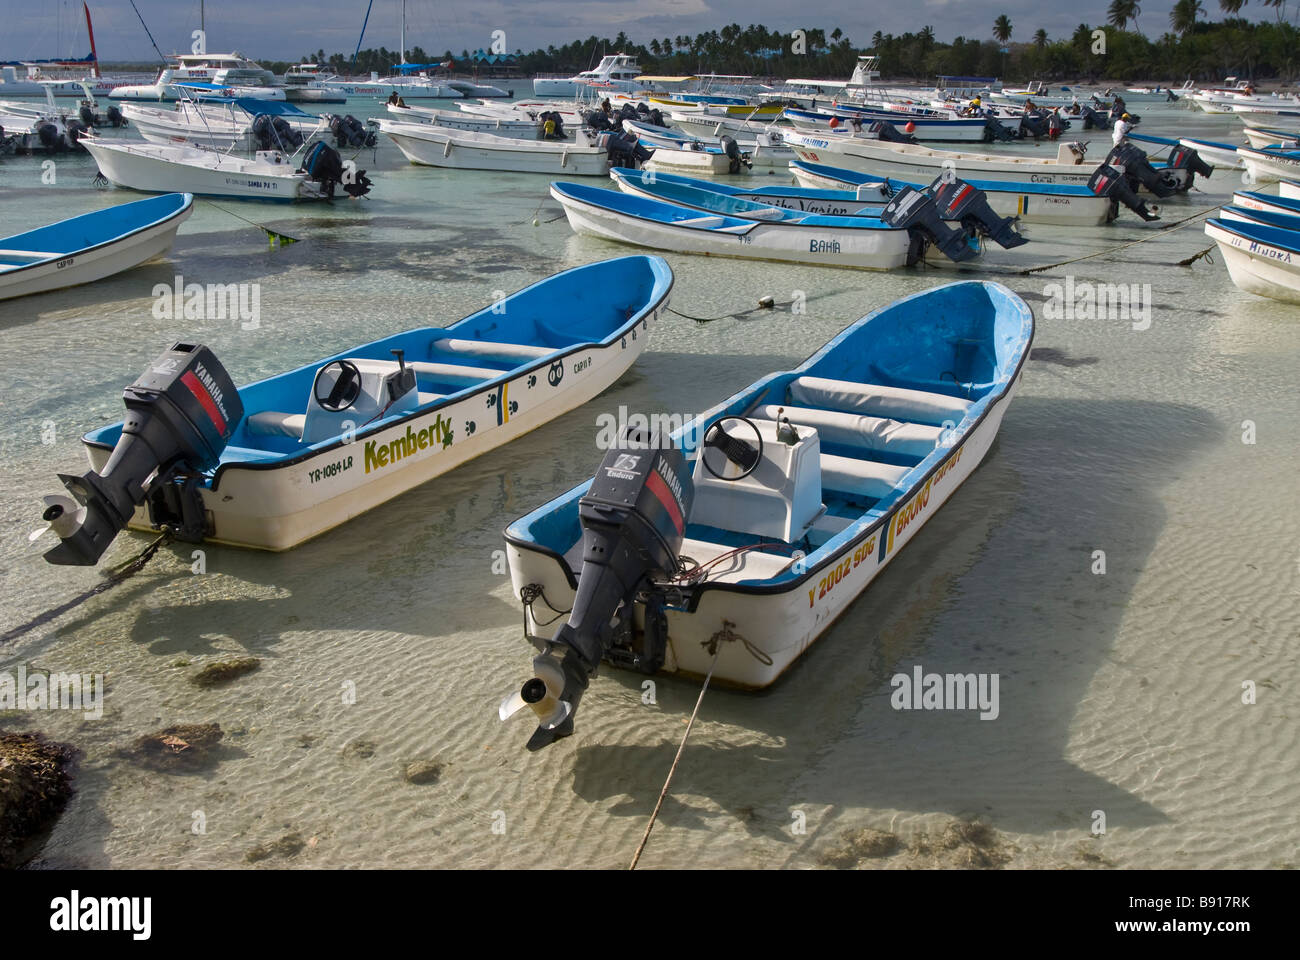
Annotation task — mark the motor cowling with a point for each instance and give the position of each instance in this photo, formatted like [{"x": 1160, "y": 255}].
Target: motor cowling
[
  {"x": 633, "y": 520},
  {"x": 75, "y": 130},
  {"x": 1133, "y": 162},
  {"x": 884, "y": 130},
  {"x": 115, "y": 118},
  {"x": 916, "y": 211},
  {"x": 1187, "y": 158},
  {"x": 734, "y": 155},
  {"x": 87, "y": 116},
  {"x": 180, "y": 415},
  {"x": 323, "y": 164},
  {"x": 958, "y": 201},
  {"x": 50, "y": 138},
  {"x": 1107, "y": 181}
]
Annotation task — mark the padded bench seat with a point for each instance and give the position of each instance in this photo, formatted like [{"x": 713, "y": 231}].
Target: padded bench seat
[
  {"x": 453, "y": 372},
  {"x": 273, "y": 423},
  {"x": 855, "y": 430},
  {"x": 874, "y": 400},
  {"x": 487, "y": 349},
  {"x": 860, "y": 478}
]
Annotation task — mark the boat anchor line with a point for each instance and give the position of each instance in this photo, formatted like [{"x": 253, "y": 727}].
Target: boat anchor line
[{"x": 1178, "y": 225}]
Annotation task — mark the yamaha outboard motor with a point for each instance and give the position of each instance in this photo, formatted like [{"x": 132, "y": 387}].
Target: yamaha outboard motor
[
  {"x": 180, "y": 415},
  {"x": 50, "y": 138},
  {"x": 886, "y": 131},
  {"x": 1133, "y": 162},
  {"x": 87, "y": 115},
  {"x": 1032, "y": 125},
  {"x": 74, "y": 131},
  {"x": 1186, "y": 158},
  {"x": 732, "y": 150},
  {"x": 633, "y": 520},
  {"x": 597, "y": 121},
  {"x": 917, "y": 212},
  {"x": 1093, "y": 119},
  {"x": 959, "y": 202},
  {"x": 115, "y": 118},
  {"x": 1107, "y": 181},
  {"x": 350, "y": 132},
  {"x": 656, "y": 118},
  {"x": 323, "y": 164},
  {"x": 995, "y": 130}
]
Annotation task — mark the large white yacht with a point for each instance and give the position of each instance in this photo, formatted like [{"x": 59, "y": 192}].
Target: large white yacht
[
  {"x": 229, "y": 74},
  {"x": 618, "y": 71}
]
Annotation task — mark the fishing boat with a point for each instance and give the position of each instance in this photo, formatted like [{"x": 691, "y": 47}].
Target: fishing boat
[
  {"x": 267, "y": 175},
  {"x": 712, "y": 198},
  {"x": 1265, "y": 165},
  {"x": 226, "y": 124},
  {"x": 1263, "y": 260},
  {"x": 524, "y": 129},
  {"x": 1265, "y": 218},
  {"x": 1062, "y": 204},
  {"x": 1219, "y": 154},
  {"x": 911, "y": 161},
  {"x": 92, "y": 246},
  {"x": 754, "y": 231},
  {"x": 707, "y": 125},
  {"x": 1261, "y": 137},
  {"x": 763, "y": 149},
  {"x": 1271, "y": 202},
  {"x": 746, "y": 533},
  {"x": 1289, "y": 189},
  {"x": 435, "y": 146},
  {"x": 282, "y": 460},
  {"x": 931, "y": 128}
]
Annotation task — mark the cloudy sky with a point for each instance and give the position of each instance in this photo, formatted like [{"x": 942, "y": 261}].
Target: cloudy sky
[{"x": 287, "y": 29}]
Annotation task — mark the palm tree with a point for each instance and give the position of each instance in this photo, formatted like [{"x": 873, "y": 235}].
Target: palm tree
[
  {"x": 1183, "y": 16},
  {"x": 1232, "y": 6},
  {"x": 1002, "y": 28},
  {"x": 1279, "y": 6},
  {"x": 1122, "y": 11},
  {"x": 1040, "y": 38}
]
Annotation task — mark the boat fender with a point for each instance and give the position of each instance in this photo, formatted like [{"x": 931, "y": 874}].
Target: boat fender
[
  {"x": 917, "y": 212},
  {"x": 181, "y": 413},
  {"x": 633, "y": 520}
]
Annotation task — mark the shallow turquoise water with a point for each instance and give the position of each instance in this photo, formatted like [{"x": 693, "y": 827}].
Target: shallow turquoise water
[{"x": 1120, "y": 692}]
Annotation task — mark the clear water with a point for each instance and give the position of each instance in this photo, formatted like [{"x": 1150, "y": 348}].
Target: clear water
[{"x": 1119, "y": 692}]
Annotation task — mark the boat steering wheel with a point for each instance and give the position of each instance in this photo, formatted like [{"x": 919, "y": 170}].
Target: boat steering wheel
[
  {"x": 736, "y": 451},
  {"x": 342, "y": 390}
]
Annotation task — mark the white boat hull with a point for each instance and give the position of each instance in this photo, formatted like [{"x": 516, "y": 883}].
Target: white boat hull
[
  {"x": 436, "y": 146},
  {"x": 780, "y": 625},
  {"x": 1259, "y": 139},
  {"x": 1289, "y": 188},
  {"x": 499, "y": 126},
  {"x": 96, "y": 263},
  {"x": 280, "y": 507},
  {"x": 175, "y": 169},
  {"x": 911, "y": 162},
  {"x": 825, "y": 246},
  {"x": 1259, "y": 268},
  {"x": 1266, "y": 167}
]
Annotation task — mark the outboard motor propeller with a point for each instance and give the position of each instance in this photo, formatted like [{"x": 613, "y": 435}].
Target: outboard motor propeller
[
  {"x": 1107, "y": 181},
  {"x": 958, "y": 201},
  {"x": 633, "y": 520},
  {"x": 916, "y": 211},
  {"x": 180, "y": 415}
]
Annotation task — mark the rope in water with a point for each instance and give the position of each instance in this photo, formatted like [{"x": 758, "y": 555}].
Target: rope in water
[
  {"x": 122, "y": 573},
  {"x": 1178, "y": 225},
  {"x": 673, "y": 769},
  {"x": 274, "y": 235}
]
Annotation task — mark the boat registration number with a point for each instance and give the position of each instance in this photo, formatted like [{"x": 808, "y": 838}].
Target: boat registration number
[
  {"x": 828, "y": 583},
  {"x": 329, "y": 470}
]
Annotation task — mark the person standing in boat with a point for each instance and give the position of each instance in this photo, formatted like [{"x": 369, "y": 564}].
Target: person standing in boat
[{"x": 1121, "y": 129}]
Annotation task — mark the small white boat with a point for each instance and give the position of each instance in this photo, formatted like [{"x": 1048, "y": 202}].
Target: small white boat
[
  {"x": 1266, "y": 165},
  {"x": 500, "y": 126},
  {"x": 912, "y": 161},
  {"x": 1263, "y": 260},
  {"x": 763, "y": 233},
  {"x": 268, "y": 175},
  {"x": 764, "y": 150},
  {"x": 436, "y": 146},
  {"x": 1287, "y": 200},
  {"x": 282, "y": 460},
  {"x": 1289, "y": 189},
  {"x": 616, "y": 71},
  {"x": 1261, "y": 137},
  {"x": 226, "y": 125},
  {"x": 92, "y": 246},
  {"x": 734, "y": 543},
  {"x": 1062, "y": 204}
]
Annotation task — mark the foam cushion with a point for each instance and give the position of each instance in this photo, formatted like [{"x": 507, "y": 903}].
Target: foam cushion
[{"x": 873, "y": 400}]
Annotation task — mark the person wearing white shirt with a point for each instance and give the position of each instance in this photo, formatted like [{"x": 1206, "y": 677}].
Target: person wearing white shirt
[{"x": 1122, "y": 127}]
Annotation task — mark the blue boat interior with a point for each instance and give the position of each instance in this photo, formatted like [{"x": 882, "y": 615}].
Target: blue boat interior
[
  {"x": 745, "y": 193},
  {"x": 588, "y": 305},
  {"x": 888, "y": 399},
  {"x": 88, "y": 230},
  {"x": 854, "y": 178},
  {"x": 1269, "y": 218},
  {"x": 1279, "y": 237}
]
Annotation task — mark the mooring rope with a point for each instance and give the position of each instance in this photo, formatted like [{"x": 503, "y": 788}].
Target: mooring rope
[
  {"x": 122, "y": 573},
  {"x": 717, "y": 648},
  {"x": 1177, "y": 225},
  {"x": 271, "y": 235}
]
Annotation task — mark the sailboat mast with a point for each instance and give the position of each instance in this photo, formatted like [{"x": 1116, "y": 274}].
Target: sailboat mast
[
  {"x": 91, "y": 31},
  {"x": 403, "y": 31}
]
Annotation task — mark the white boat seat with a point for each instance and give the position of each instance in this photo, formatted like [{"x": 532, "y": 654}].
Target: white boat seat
[
  {"x": 700, "y": 222},
  {"x": 454, "y": 372},
  {"x": 862, "y": 478},
  {"x": 273, "y": 423},
  {"x": 855, "y": 430},
  {"x": 749, "y": 565},
  {"x": 429, "y": 397},
  {"x": 736, "y": 228},
  {"x": 31, "y": 254},
  {"x": 487, "y": 348},
  {"x": 898, "y": 403}
]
